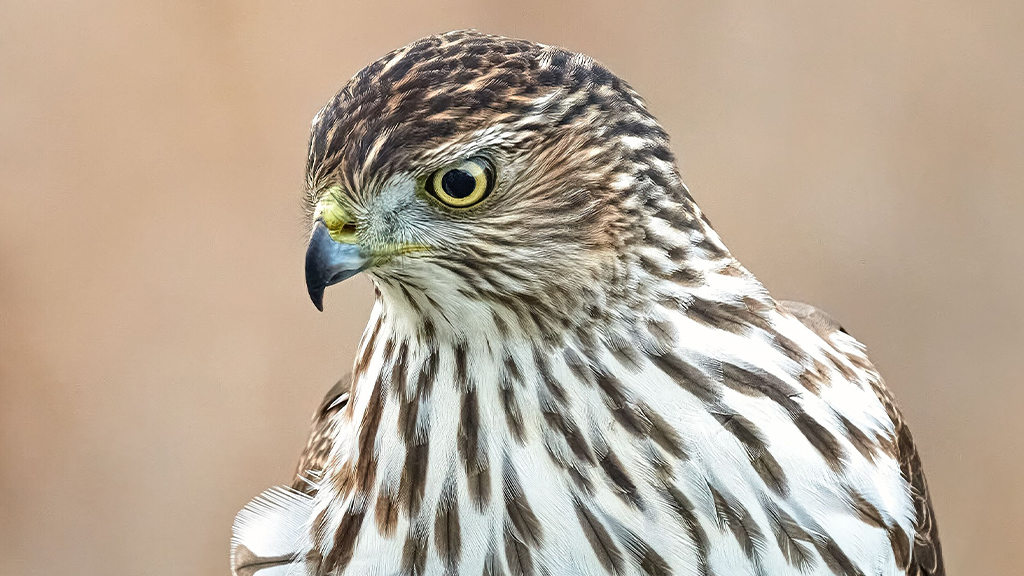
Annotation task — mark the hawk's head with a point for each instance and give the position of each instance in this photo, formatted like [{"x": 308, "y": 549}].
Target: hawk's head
[{"x": 467, "y": 169}]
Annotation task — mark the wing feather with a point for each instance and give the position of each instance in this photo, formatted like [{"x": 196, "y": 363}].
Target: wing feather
[
  {"x": 271, "y": 532},
  {"x": 318, "y": 446},
  {"x": 926, "y": 559}
]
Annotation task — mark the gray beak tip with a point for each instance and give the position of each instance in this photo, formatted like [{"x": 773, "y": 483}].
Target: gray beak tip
[
  {"x": 317, "y": 296},
  {"x": 329, "y": 262}
]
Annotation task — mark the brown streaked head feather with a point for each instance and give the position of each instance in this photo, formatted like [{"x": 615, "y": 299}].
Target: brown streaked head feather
[{"x": 577, "y": 155}]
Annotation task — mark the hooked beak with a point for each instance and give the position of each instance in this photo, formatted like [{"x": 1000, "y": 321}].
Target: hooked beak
[{"x": 329, "y": 262}]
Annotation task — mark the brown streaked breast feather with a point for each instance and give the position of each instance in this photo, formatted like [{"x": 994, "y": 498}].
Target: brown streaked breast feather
[
  {"x": 318, "y": 447},
  {"x": 926, "y": 559}
]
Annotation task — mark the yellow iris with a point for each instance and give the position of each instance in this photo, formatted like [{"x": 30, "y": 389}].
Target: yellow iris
[{"x": 462, "y": 185}]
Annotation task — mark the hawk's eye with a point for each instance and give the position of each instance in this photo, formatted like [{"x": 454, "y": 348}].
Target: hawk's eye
[{"x": 463, "y": 184}]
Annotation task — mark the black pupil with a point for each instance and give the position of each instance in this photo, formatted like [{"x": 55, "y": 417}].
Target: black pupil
[{"x": 458, "y": 183}]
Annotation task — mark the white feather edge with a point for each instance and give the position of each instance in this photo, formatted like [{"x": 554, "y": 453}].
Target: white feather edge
[{"x": 273, "y": 525}]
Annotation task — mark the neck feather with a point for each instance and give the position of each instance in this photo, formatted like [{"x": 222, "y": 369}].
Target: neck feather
[{"x": 455, "y": 401}]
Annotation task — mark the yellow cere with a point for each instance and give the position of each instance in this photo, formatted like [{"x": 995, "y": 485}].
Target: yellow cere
[
  {"x": 342, "y": 228},
  {"x": 339, "y": 224}
]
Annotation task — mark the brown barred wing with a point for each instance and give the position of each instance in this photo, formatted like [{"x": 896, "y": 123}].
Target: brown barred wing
[
  {"x": 318, "y": 447},
  {"x": 926, "y": 559}
]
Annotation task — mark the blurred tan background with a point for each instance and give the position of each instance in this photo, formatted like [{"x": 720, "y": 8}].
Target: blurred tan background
[{"x": 159, "y": 357}]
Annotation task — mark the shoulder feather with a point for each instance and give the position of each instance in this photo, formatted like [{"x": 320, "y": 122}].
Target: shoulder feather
[{"x": 926, "y": 559}]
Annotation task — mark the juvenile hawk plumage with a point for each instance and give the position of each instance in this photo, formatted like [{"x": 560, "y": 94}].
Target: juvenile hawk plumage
[{"x": 566, "y": 372}]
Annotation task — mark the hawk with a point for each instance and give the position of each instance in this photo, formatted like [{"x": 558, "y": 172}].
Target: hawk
[{"x": 566, "y": 372}]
